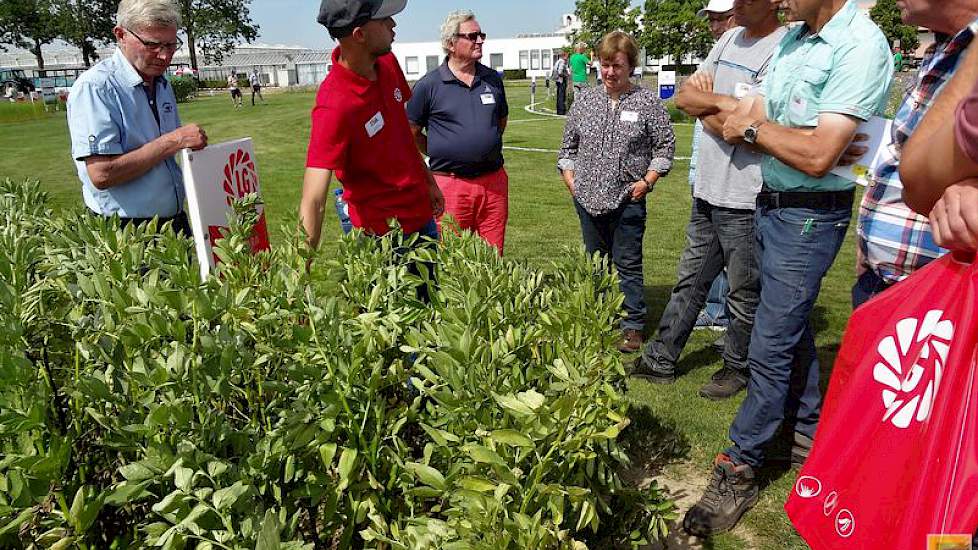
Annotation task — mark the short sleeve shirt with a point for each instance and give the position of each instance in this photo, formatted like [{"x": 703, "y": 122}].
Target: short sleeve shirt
[
  {"x": 966, "y": 125},
  {"x": 462, "y": 122},
  {"x": 727, "y": 175},
  {"x": 846, "y": 68},
  {"x": 578, "y": 65},
  {"x": 109, "y": 113},
  {"x": 361, "y": 132}
]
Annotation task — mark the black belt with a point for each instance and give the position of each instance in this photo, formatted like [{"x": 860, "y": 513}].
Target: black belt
[{"x": 818, "y": 200}]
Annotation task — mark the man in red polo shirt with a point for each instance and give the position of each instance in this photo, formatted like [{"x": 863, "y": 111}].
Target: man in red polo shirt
[{"x": 360, "y": 131}]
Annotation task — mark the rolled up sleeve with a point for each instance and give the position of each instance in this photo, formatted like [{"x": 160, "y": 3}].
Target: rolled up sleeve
[
  {"x": 663, "y": 140},
  {"x": 567, "y": 156},
  {"x": 859, "y": 83},
  {"x": 92, "y": 122}
]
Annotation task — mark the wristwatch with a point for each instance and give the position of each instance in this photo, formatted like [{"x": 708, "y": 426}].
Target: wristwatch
[{"x": 750, "y": 134}]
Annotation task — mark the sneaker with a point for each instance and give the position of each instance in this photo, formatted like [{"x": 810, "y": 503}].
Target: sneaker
[
  {"x": 800, "y": 449},
  {"x": 725, "y": 383},
  {"x": 731, "y": 492},
  {"x": 653, "y": 371},
  {"x": 631, "y": 341}
]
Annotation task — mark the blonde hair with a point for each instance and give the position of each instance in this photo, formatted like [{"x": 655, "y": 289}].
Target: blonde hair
[
  {"x": 451, "y": 26},
  {"x": 617, "y": 41},
  {"x": 138, "y": 14}
]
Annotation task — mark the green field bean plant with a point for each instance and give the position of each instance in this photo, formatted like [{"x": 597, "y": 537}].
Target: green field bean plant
[{"x": 274, "y": 407}]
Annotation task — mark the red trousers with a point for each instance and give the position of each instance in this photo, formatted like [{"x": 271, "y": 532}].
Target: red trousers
[{"x": 479, "y": 204}]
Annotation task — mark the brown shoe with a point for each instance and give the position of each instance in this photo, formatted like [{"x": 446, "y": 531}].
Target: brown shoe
[{"x": 631, "y": 341}]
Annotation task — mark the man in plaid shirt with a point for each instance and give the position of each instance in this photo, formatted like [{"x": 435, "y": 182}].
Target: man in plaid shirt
[{"x": 894, "y": 241}]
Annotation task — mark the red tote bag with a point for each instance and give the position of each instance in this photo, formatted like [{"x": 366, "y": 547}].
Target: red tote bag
[{"x": 895, "y": 460}]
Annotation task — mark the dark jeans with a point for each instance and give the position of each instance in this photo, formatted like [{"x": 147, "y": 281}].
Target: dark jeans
[
  {"x": 868, "y": 284},
  {"x": 619, "y": 234},
  {"x": 561, "y": 97},
  {"x": 715, "y": 237},
  {"x": 796, "y": 247}
]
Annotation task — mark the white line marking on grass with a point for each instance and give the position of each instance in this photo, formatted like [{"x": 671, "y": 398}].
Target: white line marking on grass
[{"x": 530, "y": 109}]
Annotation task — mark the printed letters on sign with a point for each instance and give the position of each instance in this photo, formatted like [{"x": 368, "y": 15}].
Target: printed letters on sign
[{"x": 375, "y": 124}]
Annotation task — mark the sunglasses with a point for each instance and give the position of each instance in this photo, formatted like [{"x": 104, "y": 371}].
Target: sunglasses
[
  {"x": 157, "y": 46},
  {"x": 473, "y": 36}
]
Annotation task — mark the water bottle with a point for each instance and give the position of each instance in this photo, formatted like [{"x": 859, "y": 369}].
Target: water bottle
[{"x": 342, "y": 211}]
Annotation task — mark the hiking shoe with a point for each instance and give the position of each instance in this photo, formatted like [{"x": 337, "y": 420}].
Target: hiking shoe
[
  {"x": 653, "y": 371},
  {"x": 800, "y": 449},
  {"x": 631, "y": 341},
  {"x": 725, "y": 383},
  {"x": 731, "y": 492}
]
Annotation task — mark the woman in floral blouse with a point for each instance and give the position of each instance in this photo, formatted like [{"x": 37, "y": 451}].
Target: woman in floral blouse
[{"x": 618, "y": 142}]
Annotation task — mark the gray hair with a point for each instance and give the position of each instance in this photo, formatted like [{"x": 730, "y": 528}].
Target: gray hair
[
  {"x": 138, "y": 14},
  {"x": 451, "y": 26}
]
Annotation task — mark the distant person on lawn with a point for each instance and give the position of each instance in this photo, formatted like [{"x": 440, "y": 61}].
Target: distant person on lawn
[
  {"x": 360, "y": 131},
  {"x": 579, "y": 64},
  {"x": 122, "y": 117},
  {"x": 234, "y": 89},
  {"x": 618, "y": 141},
  {"x": 458, "y": 114},
  {"x": 255, "y": 80}
]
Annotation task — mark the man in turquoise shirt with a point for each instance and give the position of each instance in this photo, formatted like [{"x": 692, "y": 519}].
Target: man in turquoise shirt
[
  {"x": 828, "y": 75},
  {"x": 122, "y": 117}
]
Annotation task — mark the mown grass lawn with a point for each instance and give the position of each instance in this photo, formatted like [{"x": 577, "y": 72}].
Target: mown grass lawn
[{"x": 684, "y": 431}]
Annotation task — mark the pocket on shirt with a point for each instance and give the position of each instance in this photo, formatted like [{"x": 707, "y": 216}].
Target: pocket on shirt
[{"x": 803, "y": 102}]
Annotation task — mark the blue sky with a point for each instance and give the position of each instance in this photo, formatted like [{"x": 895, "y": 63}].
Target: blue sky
[{"x": 293, "y": 22}]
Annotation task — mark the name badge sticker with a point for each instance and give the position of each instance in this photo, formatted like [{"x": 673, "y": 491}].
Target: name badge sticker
[
  {"x": 742, "y": 90},
  {"x": 488, "y": 99},
  {"x": 629, "y": 116},
  {"x": 374, "y": 125},
  {"x": 799, "y": 107}
]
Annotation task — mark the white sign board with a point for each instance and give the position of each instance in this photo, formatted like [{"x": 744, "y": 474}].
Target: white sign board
[
  {"x": 667, "y": 84},
  {"x": 214, "y": 178},
  {"x": 878, "y": 130}
]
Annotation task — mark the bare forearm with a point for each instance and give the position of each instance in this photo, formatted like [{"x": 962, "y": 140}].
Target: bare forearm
[
  {"x": 699, "y": 103},
  {"x": 568, "y": 177},
  {"x": 108, "y": 172},
  {"x": 714, "y": 123},
  {"x": 315, "y": 189},
  {"x": 799, "y": 148}
]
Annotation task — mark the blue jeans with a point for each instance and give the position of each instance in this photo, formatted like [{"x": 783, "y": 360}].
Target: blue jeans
[
  {"x": 716, "y": 237},
  {"x": 716, "y": 301},
  {"x": 795, "y": 247},
  {"x": 619, "y": 234},
  {"x": 868, "y": 284}
]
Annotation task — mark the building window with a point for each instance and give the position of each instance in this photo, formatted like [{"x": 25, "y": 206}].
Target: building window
[
  {"x": 431, "y": 62},
  {"x": 545, "y": 60},
  {"x": 524, "y": 59},
  {"x": 496, "y": 61},
  {"x": 535, "y": 59},
  {"x": 411, "y": 64}
]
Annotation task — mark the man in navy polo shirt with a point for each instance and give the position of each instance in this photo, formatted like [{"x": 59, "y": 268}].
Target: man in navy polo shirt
[
  {"x": 122, "y": 117},
  {"x": 360, "y": 131},
  {"x": 458, "y": 114}
]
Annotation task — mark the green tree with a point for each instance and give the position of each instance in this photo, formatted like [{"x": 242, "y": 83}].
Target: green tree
[
  {"x": 886, "y": 15},
  {"x": 599, "y": 17},
  {"x": 86, "y": 24},
  {"x": 29, "y": 24},
  {"x": 215, "y": 26},
  {"x": 671, "y": 27}
]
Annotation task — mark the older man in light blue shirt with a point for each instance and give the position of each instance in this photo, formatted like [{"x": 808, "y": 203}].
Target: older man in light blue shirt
[{"x": 122, "y": 116}]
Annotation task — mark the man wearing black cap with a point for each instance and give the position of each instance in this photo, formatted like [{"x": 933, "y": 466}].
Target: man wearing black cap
[{"x": 360, "y": 130}]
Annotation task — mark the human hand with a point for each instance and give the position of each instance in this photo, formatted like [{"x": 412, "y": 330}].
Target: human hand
[
  {"x": 954, "y": 218},
  {"x": 190, "y": 136},
  {"x": 734, "y": 127},
  {"x": 639, "y": 189},
  {"x": 437, "y": 200},
  {"x": 854, "y": 152},
  {"x": 701, "y": 82}
]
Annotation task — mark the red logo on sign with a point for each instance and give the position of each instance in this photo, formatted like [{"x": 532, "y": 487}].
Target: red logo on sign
[{"x": 240, "y": 179}]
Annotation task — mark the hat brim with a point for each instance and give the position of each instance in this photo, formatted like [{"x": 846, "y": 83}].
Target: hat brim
[{"x": 390, "y": 8}]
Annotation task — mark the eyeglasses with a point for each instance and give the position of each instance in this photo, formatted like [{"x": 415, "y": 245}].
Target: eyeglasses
[
  {"x": 157, "y": 46},
  {"x": 473, "y": 36}
]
